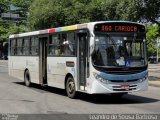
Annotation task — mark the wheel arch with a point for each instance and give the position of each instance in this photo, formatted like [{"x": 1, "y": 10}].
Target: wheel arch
[
  {"x": 25, "y": 71},
  {"x": 67, "y": 76},
  {"x": 27, "y": 78}
]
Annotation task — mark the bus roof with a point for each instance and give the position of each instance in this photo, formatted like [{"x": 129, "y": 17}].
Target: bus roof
[{"x": 65, "y": 28}]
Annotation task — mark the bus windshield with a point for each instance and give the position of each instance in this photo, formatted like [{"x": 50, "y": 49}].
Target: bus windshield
[{"x": 119, "y": 50}]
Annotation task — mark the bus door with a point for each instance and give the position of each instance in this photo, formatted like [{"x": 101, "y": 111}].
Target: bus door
[
  {"x": 82, "y": 59},
  {"x": 43, "y": 60}
]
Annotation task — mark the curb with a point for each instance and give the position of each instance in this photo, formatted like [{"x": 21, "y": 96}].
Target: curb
[
  {"x": 153, "y": 84},
  {"x": 3, "y": 60}
]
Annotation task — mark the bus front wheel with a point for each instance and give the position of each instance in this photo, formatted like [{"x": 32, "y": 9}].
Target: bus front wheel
[
  {"x": 70, "y": 87},
  {"x": 27, "y": 79}
]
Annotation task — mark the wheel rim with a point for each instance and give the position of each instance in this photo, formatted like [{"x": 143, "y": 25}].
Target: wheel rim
[{"x": 71, "y": 87}]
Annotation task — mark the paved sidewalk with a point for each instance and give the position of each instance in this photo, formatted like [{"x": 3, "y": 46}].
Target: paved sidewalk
[
  {"x": 154, "y": 83},
  {"x": 154, "y": 74},
  {"x": 3, "y": 63},
  {"x": 154, "y": 70}
]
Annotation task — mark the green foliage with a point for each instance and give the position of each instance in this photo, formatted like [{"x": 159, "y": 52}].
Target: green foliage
[
  {"x": 23, "y": 6},
  {"x": 59, "y": 13},
  {"x": 7, "y": 27},
  {"x": 4, "y": 27},
  {"x": 3, "y": 33},
  {"x": 40, "y": 11},
  {"x": 53, "y": 13},
  {"x": 152, "y": 35},
  {"x": 3, "y": 5},
  {"x": 133, "y": 10},
  {"x": 121, "y": 10},
  {"x": 127, "y": 10},
  {"x": 149, "y": 9},
  {"x": 17, "y": 29}
]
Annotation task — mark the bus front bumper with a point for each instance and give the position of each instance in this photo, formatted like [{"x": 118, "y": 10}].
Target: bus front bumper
[{"x": 101, "y": 88}]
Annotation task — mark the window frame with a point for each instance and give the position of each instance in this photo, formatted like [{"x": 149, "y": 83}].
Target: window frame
[
  {"x": 12, "y": 53},
  {"x": 60, "y": 35},
  {"x": 24, "y": 46}
]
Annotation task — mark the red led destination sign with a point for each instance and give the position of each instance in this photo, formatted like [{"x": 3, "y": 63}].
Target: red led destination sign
[{"x": 119, "y": 27}]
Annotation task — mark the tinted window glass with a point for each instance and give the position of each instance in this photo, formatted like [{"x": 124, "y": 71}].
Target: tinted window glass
[{"x": 34, "y": 45}]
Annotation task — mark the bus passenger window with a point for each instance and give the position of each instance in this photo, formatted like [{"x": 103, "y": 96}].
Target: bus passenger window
[
  {"x": 62, "y": 46},
  {"x": 33, "y": 46},
  {"x": 26, "y": 46},
  {"x": 20, "y": 46},
  {"x": 53, "y": 45},
  {"x": 58, "y": 51},
  {"x": 13, "y": 47},
  {"x": 51, "y": 50},
  {"x": 69, "y": 45}
]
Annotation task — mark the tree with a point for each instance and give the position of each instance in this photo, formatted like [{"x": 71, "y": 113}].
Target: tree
[
  {"x": 22, "y": 6},
  {"x": 59, "y": 13},
  {"x": 43, "y": 16},
  {"x": 133, "y": 10},
  {"x": 149, "y": 9},
  {"x": 3, "y": 34},
  {"x": 152, "y": 35},
  {"x": 127, "y": 10},
  {"x": 3, "y": 25},
  {"x": 3, "y": 6},
  {"x": 110, "y": 10},
  {"x": 3, "y": 30},
  {"x": 22, "y": 9},
  {"x": 7, "y": 27}
]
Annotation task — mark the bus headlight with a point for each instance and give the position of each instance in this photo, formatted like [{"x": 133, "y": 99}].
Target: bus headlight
[
  {"x": 99, "y": 78},
  {"x": 144, "y": 78}
]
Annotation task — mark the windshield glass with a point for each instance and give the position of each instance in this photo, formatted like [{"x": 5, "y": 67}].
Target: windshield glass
[{"x": 118, "y": 50}]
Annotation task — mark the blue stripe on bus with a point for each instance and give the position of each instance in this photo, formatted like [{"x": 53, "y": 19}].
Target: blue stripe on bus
[
  {"x": 57, "y": 29},
  {"x": 123, "y": 77}
]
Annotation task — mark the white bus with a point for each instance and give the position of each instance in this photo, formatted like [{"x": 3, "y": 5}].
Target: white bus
[{"x": 95, "y": 58}]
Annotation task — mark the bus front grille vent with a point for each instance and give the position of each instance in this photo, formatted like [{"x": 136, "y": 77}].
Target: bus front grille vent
[
  {"x": 121, "y": 88},
  {"x": 134, "y": 80}
]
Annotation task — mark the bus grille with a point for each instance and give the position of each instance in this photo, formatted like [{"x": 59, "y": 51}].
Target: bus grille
[
  {"x": 134, "y": 80},
  {"x": 118, "y": 88}
]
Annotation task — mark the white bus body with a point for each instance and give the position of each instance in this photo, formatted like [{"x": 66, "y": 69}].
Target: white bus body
[{"x": 88, "y": 74}]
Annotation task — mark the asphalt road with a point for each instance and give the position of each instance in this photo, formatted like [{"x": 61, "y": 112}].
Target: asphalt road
[{"x": 15, "y": 98}]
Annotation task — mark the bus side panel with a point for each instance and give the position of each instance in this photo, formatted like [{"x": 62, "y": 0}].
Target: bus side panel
[
  {"x": 18, "y": 64},
  {"x": 32, "y": 64},
  {"x": 57, "y": 71}
]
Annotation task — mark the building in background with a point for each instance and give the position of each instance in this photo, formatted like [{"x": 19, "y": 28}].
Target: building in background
[{"x": 11, "y": 15}]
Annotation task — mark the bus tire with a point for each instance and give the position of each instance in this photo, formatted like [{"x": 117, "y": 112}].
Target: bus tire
[
  {"x": 27, "y": 79},
  {"x": 70, "y": 87}
]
